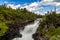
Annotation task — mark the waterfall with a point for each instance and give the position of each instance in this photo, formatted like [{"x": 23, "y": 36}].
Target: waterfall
[{"x": 28, "y": 31}]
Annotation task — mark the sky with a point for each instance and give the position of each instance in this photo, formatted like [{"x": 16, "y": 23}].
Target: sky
[{"x": 36, "y": 6}]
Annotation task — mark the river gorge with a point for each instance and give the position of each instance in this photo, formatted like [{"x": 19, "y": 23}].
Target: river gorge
[{"x": 29, "y": 30}]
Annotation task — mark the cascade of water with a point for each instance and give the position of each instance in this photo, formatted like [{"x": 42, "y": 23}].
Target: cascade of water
[{"x": 28, "y": 31}]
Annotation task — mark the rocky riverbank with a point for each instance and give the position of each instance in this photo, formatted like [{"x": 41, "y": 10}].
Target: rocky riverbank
[
  {"x": 49, "y": 27},
  {"x": 39, "y": 36},
  {"x": 13, "y": 31}
]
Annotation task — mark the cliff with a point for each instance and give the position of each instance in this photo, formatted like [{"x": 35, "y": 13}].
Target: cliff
[
  {"x": 12, "y": 21},
  {"x": 49, "y": 28}
]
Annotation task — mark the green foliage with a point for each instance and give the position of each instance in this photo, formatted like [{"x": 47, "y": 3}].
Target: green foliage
[
  {"x": 51, "y": 31},
  {"x": 50, "y": 25},
  {"x": 1, "y": 18},
  {"x": 3, "y": 28},
  {"x": 55, "y": 37},
  {"x": 58, "y": 31}
]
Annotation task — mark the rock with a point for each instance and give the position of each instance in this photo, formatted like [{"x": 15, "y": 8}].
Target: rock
[{"x": 39, "y": 36}]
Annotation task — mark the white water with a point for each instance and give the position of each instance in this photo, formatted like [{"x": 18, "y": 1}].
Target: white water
[{"x": 28, "y": 31}]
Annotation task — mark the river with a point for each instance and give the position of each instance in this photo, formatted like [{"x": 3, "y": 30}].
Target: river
[{"x": 29, "y": 30}]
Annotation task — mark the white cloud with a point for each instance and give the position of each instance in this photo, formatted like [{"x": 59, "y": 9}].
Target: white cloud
[
  {"x": 48, "y": 0},
  {"x": 52, "y": 2},
  {"x": 58, "y": 10},
  {"x": 13, "y": 6},
  {"x": 38, "y": 12},
  {"x": 36, "y": 6}
]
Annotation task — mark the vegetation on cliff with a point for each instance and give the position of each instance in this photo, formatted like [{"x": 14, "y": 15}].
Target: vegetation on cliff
[
  {"x": 50, "y": 26},
  {"x": 10, "y": 17}
]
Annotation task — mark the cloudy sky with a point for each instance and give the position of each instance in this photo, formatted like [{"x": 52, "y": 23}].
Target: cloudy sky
[{"x": 37, "y": 6}]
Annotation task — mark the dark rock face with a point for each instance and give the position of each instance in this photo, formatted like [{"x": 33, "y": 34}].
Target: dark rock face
[
  {"x": 14, "y": 30},
  {"x": 39, "y": 36}
]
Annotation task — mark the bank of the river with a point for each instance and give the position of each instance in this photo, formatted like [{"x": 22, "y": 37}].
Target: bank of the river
[{"x": 49, "y": 28}]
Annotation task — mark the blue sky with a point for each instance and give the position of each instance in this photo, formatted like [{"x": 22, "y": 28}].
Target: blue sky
[
  {"x": 37, "y": 6},
  {"x": 22, "y": 1},
  {"x": 18, "y": 1}
]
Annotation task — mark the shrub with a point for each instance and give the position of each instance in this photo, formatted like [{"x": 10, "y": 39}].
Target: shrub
[{"x": 3, "y": 28}]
